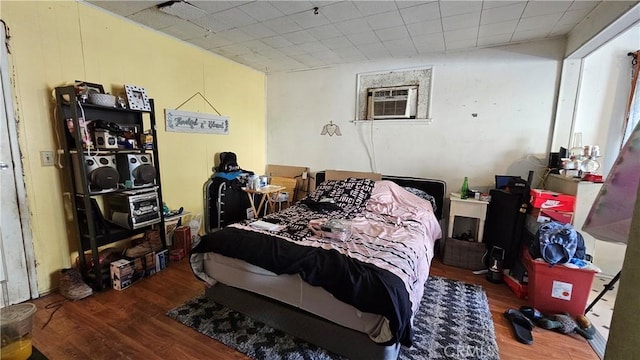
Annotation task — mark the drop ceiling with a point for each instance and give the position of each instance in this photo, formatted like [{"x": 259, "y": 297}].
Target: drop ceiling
[{"x": 273, "y": 36}]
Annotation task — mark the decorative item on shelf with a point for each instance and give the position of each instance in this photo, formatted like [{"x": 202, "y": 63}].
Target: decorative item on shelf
[
  {"x": 331, "y": 129},
  {"x": 137, "y": 98},
  {"x": 84, "y": 89},
  {"x": 121, "y": 101},
  {"x": 107, "y": 100},
  {"x": 464, "y": 191}
]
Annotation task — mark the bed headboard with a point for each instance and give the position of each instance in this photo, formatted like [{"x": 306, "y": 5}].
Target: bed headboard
[{"x": 435, "y": 188}]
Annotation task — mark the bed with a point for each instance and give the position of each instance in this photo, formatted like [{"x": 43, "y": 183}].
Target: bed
[{"x": 355, "y": 298}]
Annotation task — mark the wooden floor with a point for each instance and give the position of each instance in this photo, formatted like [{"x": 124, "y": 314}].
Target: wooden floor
[{"x": 131, "y": 324}]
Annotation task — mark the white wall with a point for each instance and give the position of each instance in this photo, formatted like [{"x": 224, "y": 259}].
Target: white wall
[
  {"x": 512, "y": 90},
  {"x": 603, "y": 95}
]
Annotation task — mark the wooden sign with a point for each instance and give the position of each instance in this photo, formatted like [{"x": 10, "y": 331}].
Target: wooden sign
[{"x": 191, "y": 122}]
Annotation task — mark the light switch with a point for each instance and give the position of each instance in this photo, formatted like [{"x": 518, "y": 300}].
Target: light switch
[{"x": 46, "y": 158}]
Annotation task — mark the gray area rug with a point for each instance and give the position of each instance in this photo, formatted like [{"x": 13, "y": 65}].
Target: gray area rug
[{"x": 454, "y": 322}]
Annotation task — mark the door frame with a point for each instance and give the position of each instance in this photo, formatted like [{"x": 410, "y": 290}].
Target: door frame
[{"x": 21, "y": 193}]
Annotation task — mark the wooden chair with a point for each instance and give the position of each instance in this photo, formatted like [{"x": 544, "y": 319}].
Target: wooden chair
[{"x": 288, "y": 194}]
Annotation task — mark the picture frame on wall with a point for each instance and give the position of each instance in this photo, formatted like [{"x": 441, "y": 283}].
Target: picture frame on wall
[{"x": 137, "y": 98}]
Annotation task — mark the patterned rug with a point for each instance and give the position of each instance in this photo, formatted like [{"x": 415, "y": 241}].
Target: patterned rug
[{"x": 454, "y": 322}]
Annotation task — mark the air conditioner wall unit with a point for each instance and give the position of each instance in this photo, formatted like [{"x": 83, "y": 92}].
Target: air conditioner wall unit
[{"x": 398, "y": 102}]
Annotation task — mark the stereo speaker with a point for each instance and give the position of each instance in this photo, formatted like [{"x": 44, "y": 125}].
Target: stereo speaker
[
  {"x": 136, "y": 170},
  {"x": 102, "y": 173}
]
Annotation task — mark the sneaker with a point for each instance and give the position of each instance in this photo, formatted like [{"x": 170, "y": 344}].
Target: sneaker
[{"x": 71, "y": 285}]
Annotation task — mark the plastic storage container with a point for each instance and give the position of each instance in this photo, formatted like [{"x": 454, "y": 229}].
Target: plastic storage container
[
  {"x": 558, "y": 289},
  {"x": 17, "y": 321}
]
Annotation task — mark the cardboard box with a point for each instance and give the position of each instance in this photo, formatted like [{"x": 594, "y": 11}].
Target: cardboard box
[
  {"x": 162, "y": 259},
  {"x": 546, "y": 215},
  {"x": 170, "y": 226},
  {"x": 177, "y": 255},
  {"x": 182, "y": 238},
  {"x": 123, "y": 274},
  {"x": 544, "y": 199}
]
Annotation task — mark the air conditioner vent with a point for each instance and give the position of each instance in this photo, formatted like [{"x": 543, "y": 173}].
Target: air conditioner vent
[{"x": 392, "y": 102}]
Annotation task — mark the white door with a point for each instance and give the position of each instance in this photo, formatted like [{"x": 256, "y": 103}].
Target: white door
[{"x": 16, "y": 286}]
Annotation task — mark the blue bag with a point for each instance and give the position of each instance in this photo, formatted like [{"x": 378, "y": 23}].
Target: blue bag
[{"x": 558, "y": 243}]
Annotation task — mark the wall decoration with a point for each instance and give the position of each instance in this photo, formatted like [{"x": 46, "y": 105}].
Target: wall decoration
[
  {"x": 423, "y": 77},
  {"x": 331, "y": 129},
  {"x": 192, "y": 122},
  {"x": 137, "y": 98}
]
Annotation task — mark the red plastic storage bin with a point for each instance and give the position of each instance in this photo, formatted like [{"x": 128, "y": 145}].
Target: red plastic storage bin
[{"x": 558, "y": 289}]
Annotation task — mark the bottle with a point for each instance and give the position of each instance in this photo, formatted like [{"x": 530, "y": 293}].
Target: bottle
[{"x": 465, "y": 188}]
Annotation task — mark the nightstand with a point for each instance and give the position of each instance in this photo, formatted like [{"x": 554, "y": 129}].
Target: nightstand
[{"x": 470, "y": 208}]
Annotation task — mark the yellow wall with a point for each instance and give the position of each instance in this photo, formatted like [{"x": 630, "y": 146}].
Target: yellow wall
[{"x": 54, "y": 43}]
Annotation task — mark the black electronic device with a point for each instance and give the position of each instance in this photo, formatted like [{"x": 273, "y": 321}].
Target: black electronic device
[
  {"x": 133, "y": 210},
  {"x": 102, "y": 174},
  {"x": 136, "y": 170}
]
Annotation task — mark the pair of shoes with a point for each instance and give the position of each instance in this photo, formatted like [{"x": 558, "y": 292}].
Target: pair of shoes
[
  {"x": 522, "y": 326},
  {"x": 71, "y": 285},
  {"x": 532, "y": 313}
]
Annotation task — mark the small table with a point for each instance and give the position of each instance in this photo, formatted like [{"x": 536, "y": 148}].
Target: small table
[
  {"x": 270, "y": 194},
  {"x": 468, "y": 208}
]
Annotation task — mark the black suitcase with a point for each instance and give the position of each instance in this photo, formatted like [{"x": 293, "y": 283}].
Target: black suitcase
[{"x": 504, "y": 225}]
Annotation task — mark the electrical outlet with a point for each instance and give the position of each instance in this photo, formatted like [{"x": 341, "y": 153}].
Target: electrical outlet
[{"x": 46, "y": 158}]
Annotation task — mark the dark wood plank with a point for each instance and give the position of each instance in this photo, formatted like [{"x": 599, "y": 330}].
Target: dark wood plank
[{"x": 132, "y": 323}]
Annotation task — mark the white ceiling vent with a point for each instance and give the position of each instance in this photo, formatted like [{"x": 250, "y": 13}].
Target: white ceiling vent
[{"x": 182, "y": 9}]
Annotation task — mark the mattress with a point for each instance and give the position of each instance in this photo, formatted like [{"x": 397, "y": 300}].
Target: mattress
[{"x": 292, "y": 290}]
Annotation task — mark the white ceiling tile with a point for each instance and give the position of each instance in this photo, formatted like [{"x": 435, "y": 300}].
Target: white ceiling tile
[
  {"x": 375, "y": 7},
  {"x": 293, "y": 7},
  {"x": 348, "y": 52},
  {"x": 428, "y": 41},
  {"x": 460, "y": 44},
  {"x": 374, "y": 50},
  {"x": 235, "y": 49},
  {"x": 235, "y": 35},
  {"x": 210, "y": 41},
  {"x": 402, "y": 47},
  {"x": 185, "y": 30},
  {"x": 154, "y": 18},
  {"x": 537, "y": 8},
  {"x": 216, "y": 6},
  {"x": 299, "y": 37},
  {"x": 293, "y": 50},
  {"x": 215, "y": 23},
  {"x": 125, "y": 8},
  {"x": 583, "y": 5},
  {"x": 328, "y": 56},
  {"x": 385, "y": 20},
  {"x": 277, "y": 41},
  {"x": 309, "y": 20},
  {"x": 424, "y": 28},
  {"x": 394, "y": 33},
  {"x": 355, "y": 26},
  {"x": 430, "y": 11},
  {"x": 340, "y": 11},
  {"x": 282, "y": 25},
  {"x": 257, "y": 45},
  {"x": 183, "y": 10},
  {"x": 461, "y": 21},
  {"x": 337, "y": 43},
  {"x": 573, "y": 17},
  {"x": 461, "y": 34},
  {"x": 502, "y": 13},
  {"x": 538, "y": 22},
  {"x": 451, "y": 8},
  {"x": 368, "y": 37},
  {"x": 401, "y": 4},
  {"x": 313, "y": 47},
  {"x": 236, "y": 17},
  {"x": 261, "y": 10},
  {"x": 258, "y": 31},
  {"x": 324, "y": 32},
  {"x": 501, "y": 28},
  {"x": 270, "y": 53},
  {"x": 490, "y": 4},
  {"x": 533, "y": 34},
  {"x": 492, "y": 40}
]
